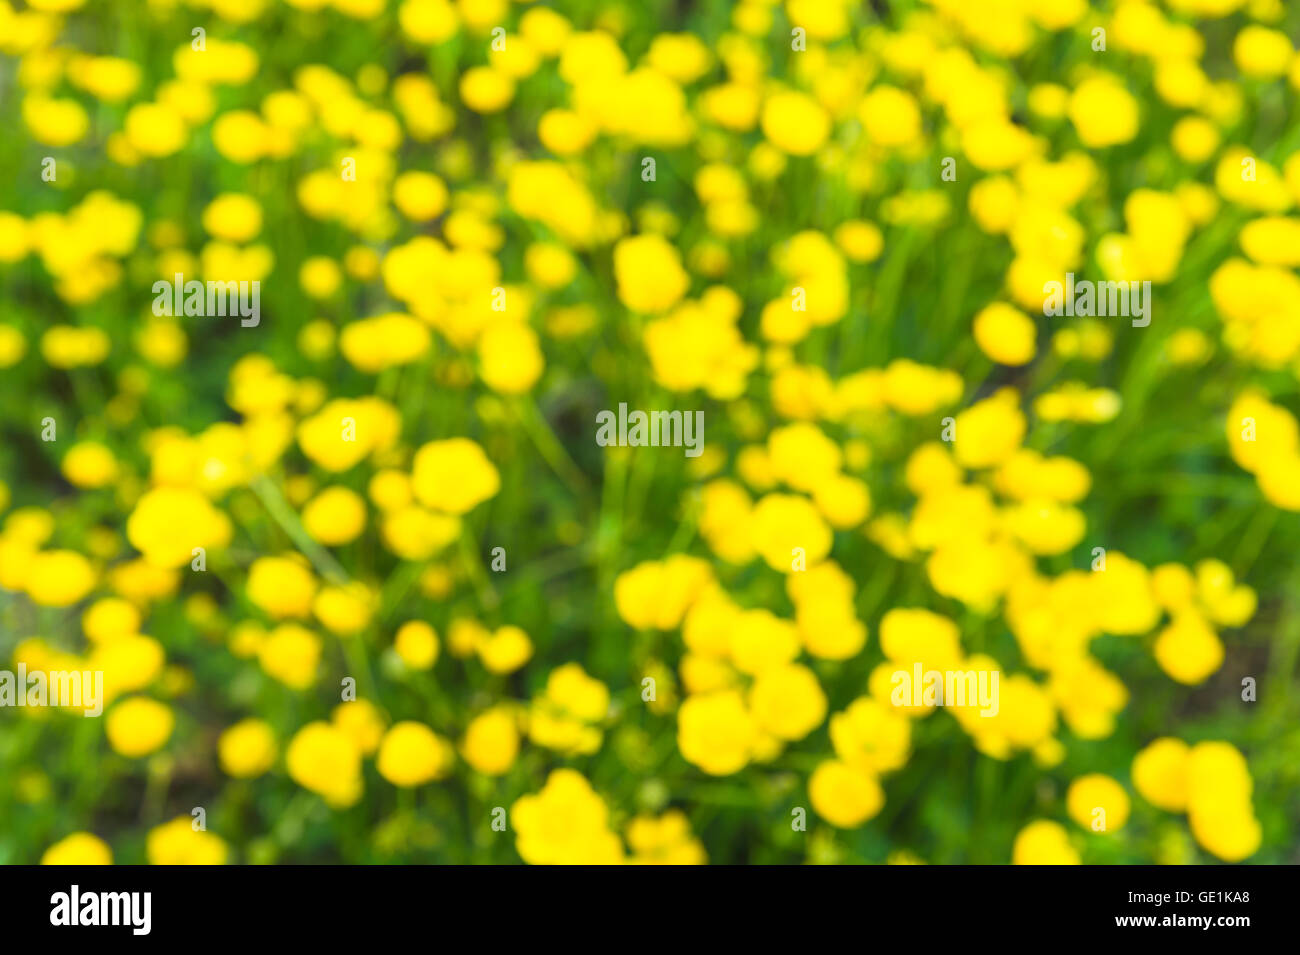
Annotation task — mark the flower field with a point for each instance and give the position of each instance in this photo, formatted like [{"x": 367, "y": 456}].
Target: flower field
[{"x": 598, "y": 431}]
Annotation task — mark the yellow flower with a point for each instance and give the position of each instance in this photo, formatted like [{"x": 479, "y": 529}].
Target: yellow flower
[
  {"x": 571, "y": 689},
  {"x": 787, "y": 701},
  {"x": 363, "y": 724},
  {"x": 162, "y": 342},
  {"x": 656, "y": 594},
  {"x": 565, "y": 722},
  {"x": 155, "y": 129},
  {"x": 109, "y": 619},
  {"x": 1219, "y": 809},
  {"x": 1188, "y": 346},
  {"x": 825, "y": 617},
  {"x": 335, "y": 516},
  {"x": 222, "y": 62},
  {"x": 291, "y": 654},
  {"x": 716, "y": 732},
  {"x": 1006, "y": 334},
  {"x": 1098, "y": 803},
  {"x": 169, "y": 522},
  {"x": 420, "y": 196},
  {"x": 492, "y": 741},
  {"x": 912, "y": 635},
  {"x": 931, "y": 467},
  {"x": 890, "y": 116},
  {"x": 566, "y": 823},
  {"x": 89, "y": 464},
  {"x": 1272, "y": 240},
  {"x": 240, "y": 135},
  {"x": 234, "y": 217},
  {"x": 1188, "y": 649},
  {"x": 415, "y": 534},
  {"x": 282, "y": 586},
  {"x": 345, "y": 431},
  {"x": 58, "y": 578},
  {"x": 428, "y": 21},
  {"x": 1160, "y": 773},
  {"x": 844, "y": 501},
  {"x": 1266, "y": 192},
  {"x": 1262, "y": 53},
  {"x": 914, "y": 389},
  {"x": 140, "y": 581},
  {"x": 326, "y": 760},
  {"x": 725, "y": 510},
  {"x": 390, "y": 490},
  {"x": 1048, "y": 100},
  {"x": 871, "y": 736},
  {"x": 411, "y": 754},
  {"x": 549, "y": 193},
  {"x": 1195, "y": 139},
  {"x": 510, "y": 358},
  {"x": 649, "y": 273},
  {"x": 795, "y": 123},
  {"x": 1043, "y": 843},
  {"x": 860, "y": 241},
  {"x": 1230, "y": 832},
  {"x": 997, "y": 144},
  {"x": 760, "y": 641},
  {"x": 346, "y": 609},
  {"x": 64, "y": 346},
  {"x": 417, "y": 644},
  {"x": 1103, "y": 112},
  {"x": 843, "y": 796},
  {"x": 454, "y": 475},
  {"x": 130, "y": 662},
  {"x": 12, "y": 343},
  {"x": 384, "y": 341},
  {"x": 802, "y": 456},
  {"x": 989, "y": 431},
  {"x": 550, "y": 264},
  {"x": 486, "y": 90},
  {"x": 1225, "y": 602},
  {"x": 247, "y": 749},
  {"x": 664, "y": 841},
  {"x": 179, "y": 843},
  {"x": 80, "y": 848},
  {"x": 54, "y": 122},
  {"x": 505, "y": 650},
  {"x": 698, "y": 347},
  {"x": 590, "y": 56},
  {"x": 545, "y": 29},
  {"x": 1045, "y": 527},
  {"x": 139, "y": 726},
  {"x": 785, "y": 528},
  {"x": 1089, "y": 696},
  {"x": 320, "y": 278},
  {"x": 994, "y": 202}
]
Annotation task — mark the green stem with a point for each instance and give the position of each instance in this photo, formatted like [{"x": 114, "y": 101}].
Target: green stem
[
  {"x": 284, "y": 515},
  {"x": 469, "y": 554},
  {"x": 548, "y": 445}
]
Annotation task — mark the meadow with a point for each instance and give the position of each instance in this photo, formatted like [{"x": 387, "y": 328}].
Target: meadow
[{"x": 376, "y": 568}]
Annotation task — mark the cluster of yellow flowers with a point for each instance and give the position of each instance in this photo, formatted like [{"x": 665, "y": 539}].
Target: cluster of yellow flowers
[
  {"x": 978, "y": 553},
  {"x": 518, "y": 266},
  {"x": 1264, "y": 438},
  {"x": 1208, "y": 781}
]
